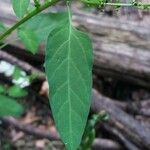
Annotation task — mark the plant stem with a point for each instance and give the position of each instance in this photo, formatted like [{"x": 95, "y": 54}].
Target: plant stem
[
  {"x": 26, "y": 18},
  {"x": 117, "y": 4},
  {"x": 129, "y": 4}
]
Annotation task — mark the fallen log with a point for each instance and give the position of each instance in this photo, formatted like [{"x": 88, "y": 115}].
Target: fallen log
[
  {"x": 121, "y": 47},
  {"x": 129, "y": 127},
  {"x": 118, "y": 135},
  {"x": 133, "y": 107}
]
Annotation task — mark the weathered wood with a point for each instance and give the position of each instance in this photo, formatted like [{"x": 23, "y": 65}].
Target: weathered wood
[
  {"x": 121, "y": 47},
  {"x": 130, "y": 128},
  {"x": 117, "y": 134}
]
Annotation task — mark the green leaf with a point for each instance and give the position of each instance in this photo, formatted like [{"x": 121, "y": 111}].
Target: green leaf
[
  {"x": 2, "y": 89},
  {"x": 43, "y": 24},
  {"x": 29, "y": 39},
  {"x": 9, "y": 107},
  {"x": 68, "y": 66},
  {"x": 16, "y": 91},
  {"x": 20, "y": 7},
  {"x": 2, "y": 28}
]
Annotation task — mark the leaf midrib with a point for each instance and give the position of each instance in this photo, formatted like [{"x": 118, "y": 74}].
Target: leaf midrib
[{"x": 68, "y": 67}]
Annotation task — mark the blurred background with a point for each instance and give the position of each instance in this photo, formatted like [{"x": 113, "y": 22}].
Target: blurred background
[{"x": 120, "y": 112}]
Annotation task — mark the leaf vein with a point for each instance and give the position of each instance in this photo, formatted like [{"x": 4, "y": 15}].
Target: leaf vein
[
  {"x": 63, "y": 84},
  {"x": 78, "y": 40},
  {"x": 74, "y": 65},
  {"x": 57, "y": 50},
  {"x": 58, "y": 67},
  {"x": 83, "y": 105}
]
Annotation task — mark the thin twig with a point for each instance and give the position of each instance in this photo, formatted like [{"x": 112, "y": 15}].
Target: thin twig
[
  {"x": 22, "y": 64},
  {"x": 29, "y": 129},
  {"x": 27, "y": 17},
  {"x": 102, "y": 3}
]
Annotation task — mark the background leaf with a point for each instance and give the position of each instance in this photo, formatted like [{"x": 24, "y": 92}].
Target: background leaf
[
  {"x": 9, "y": 107},
  {"x": 2, "y": 28},
  {"x": 29, "y": 39},
  {"x": 20, "y": 7},
  {"x": 2, "y": 89},
  {"x": 17, "y": 91},
  {"x": 43, "y": 24},
  {"x": 68, "y": 67}
]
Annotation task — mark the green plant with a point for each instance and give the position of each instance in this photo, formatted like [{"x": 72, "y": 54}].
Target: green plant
[
  {"x": 90, "y": 132},
  {"x": 9, "y": 94},
  {"x": 68, "y": 61},
  {"x": 9, "y": 107}
]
